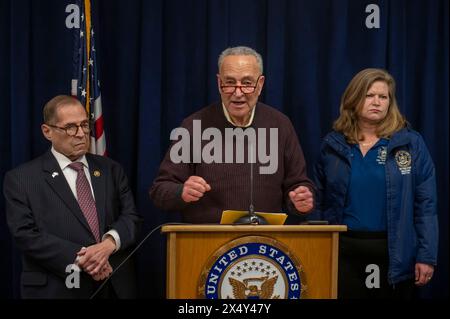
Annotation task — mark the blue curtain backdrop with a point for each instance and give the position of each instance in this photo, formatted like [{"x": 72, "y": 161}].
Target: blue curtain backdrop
[{"x": 158, "y": 61}]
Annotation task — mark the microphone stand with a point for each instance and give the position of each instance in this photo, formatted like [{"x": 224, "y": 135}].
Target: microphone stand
[{"x": 251, "y": 218}]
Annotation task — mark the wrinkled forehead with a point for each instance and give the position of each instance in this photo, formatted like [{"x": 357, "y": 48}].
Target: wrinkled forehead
[
  {"x": 379, "y": 86},
  {"x": 73, "y": 113},
  {"x": 239, "y": 66}
]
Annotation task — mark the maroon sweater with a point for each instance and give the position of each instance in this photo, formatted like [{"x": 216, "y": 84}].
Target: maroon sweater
[{"x": 230, "y": 182}]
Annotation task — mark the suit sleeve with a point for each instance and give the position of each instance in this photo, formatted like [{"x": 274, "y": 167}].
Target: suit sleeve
[
  {"x": 50, "y": 251},
  {"x": 129, "y": 222}
]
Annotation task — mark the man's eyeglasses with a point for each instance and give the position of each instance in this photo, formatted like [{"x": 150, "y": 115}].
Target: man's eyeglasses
[
  {"x": 72, "y": 129},
  {"x": 246, "y": 89}
]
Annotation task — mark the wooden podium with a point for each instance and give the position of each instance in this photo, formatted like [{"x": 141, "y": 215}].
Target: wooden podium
[{"x": 189, "y": 247}]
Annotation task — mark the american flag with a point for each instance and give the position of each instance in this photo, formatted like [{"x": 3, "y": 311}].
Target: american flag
[{"x": 85, "y": 82}]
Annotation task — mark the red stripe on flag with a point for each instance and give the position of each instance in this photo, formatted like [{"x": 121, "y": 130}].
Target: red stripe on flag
[{"x": 99, "y": 127}]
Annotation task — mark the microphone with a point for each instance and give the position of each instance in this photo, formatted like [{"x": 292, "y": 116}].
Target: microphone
[{"x": 251, "y": 218}]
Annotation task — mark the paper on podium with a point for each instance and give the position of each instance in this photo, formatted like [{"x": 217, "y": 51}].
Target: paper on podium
[{"x": 230, "y": 216}]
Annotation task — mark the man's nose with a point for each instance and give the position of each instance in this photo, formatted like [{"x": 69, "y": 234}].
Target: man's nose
[
  {"x": 238, "y": 91},
  {"x": 80, "y": 132}
]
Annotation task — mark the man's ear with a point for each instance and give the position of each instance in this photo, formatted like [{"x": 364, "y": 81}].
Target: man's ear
[
  {"x": 47, "y": 132},
  {"x": 218, "y": 82},
  {"x": 261, "y": 83}
]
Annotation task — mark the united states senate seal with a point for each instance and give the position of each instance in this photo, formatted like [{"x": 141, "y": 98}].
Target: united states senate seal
[{"x": 252, "y": 267}]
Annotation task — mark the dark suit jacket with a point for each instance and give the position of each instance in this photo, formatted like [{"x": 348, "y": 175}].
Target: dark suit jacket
[{"x": 49, "y": 228}]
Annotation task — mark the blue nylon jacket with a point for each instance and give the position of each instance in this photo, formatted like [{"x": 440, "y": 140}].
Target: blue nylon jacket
[{"x": 412, "y": 224}]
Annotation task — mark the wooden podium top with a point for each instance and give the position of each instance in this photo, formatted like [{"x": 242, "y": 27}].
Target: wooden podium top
[{"x": 252, "y": 228}]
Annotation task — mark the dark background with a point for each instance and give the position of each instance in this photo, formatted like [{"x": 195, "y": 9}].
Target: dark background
[{"x": 157, "y": 64}]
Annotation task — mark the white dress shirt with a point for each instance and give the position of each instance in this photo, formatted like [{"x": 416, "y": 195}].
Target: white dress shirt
[{"x": 230, "y": 120}]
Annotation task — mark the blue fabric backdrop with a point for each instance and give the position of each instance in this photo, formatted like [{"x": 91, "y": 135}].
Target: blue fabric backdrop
[{"x": 158, "y": 60}]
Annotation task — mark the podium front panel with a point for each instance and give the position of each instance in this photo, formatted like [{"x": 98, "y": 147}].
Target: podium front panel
[{"x": 191, "y": 247}]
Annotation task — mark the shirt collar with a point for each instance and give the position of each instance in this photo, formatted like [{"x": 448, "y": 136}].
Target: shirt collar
[
  {"x": 64, "y": 161},
  {"x": 227, "y": 115}
]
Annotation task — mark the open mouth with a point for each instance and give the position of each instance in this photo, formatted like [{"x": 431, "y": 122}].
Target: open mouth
[{"x": 238, "y": 103}]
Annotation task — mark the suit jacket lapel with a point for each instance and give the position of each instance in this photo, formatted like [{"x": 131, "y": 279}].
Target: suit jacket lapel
[
  {"x": 55, "y": 178},
  {"x": 98, "y": 180}
]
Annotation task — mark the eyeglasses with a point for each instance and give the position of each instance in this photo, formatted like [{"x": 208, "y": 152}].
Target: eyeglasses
[
  {"x": 72, "y": 129},
  {"x": 246, "y": 89}
]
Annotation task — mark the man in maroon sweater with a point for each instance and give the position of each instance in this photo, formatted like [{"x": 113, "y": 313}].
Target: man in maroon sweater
[{"x": 202, "y": 183}]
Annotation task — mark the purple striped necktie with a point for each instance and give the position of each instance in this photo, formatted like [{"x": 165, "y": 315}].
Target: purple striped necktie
[{"x": 86, "y": 200}]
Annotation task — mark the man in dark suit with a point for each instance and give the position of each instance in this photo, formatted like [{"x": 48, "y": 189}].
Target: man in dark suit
[{"x": 68, "y": 210}]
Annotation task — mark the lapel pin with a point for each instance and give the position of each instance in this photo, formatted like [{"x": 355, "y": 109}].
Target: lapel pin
[
  {"x": 54, "y": 174},
  {"x": 97, "y": 173}
]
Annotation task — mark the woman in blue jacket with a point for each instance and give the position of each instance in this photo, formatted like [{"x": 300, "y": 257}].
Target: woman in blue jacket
[{"x": 376, "y": 176}]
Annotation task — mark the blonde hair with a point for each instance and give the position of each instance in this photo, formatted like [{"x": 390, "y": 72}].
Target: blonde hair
[{"x": 352, "y": 102}]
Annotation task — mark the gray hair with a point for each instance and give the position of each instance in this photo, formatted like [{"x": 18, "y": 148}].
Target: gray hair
[
  {"x": 241, "y": 50},
  {"x": 52, "y": 106}
]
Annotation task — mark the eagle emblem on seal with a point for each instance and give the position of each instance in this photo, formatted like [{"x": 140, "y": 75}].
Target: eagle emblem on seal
[{"x": 254, "y": 288}]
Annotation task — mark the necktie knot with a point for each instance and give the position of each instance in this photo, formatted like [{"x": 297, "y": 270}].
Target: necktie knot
[{"x": 78, "y": 166}]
